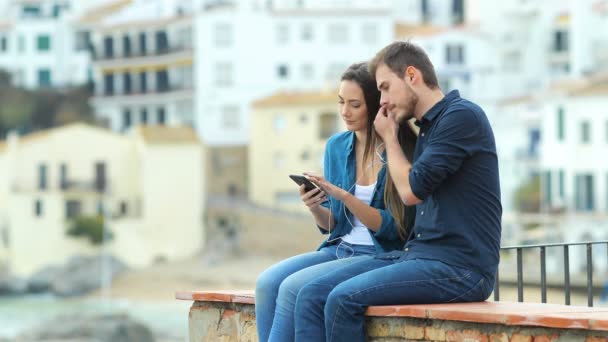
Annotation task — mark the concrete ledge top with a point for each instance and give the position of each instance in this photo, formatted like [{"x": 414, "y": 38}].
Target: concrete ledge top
[{"x": 505, "y": 313}]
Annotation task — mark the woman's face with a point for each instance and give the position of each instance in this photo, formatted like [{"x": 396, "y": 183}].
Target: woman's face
[{"x": 352, "y": 106}]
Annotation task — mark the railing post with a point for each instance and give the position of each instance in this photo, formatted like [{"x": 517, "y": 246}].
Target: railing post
[
  {"x": 567, "y": 274},
  {"x": 589, "y": 275},
  {"x": 543, "y": 276},
  {"x": 520, "y": 276}
]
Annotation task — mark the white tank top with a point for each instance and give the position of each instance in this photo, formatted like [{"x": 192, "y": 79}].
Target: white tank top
[{"x": 360, "y": 235}]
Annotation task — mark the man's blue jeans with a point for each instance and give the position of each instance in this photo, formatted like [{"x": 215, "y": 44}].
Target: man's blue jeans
[
  {"x": 332, "y": 307},
  {"x": 277, "y": 287}
]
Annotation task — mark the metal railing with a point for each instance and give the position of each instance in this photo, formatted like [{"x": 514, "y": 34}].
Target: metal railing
[{"x": 543, "y": 269}]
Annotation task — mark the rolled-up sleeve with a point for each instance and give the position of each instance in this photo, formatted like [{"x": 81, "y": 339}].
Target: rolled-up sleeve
[
  {"x": 455, "y": 138},
  {"x": 388, "y": 229}
]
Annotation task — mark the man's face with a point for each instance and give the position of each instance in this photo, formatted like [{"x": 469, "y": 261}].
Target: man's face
[{"x": 396, "y": 95}]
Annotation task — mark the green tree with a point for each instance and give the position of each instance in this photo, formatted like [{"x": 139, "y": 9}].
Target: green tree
[
  {"x": 90, "y": 227},
  {"x": 527, "y": 196}
]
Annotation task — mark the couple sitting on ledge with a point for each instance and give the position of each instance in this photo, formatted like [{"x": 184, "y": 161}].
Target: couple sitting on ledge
[{"x": 412, "y": 214}]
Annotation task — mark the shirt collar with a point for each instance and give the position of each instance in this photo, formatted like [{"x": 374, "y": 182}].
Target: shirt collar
[{"x": 432, "y": 113}]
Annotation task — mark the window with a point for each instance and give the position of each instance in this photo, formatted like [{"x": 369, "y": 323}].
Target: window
[
  {"x": 328, "y": 125},
  {"x": 126, "y": 46},
  {"x": 42, "y": 176},
  {"x": 30, "y": 11},
  {"x": 279, "y": 123},
  {"x": 38, "y": 208},
  {"x": 142, "y": 43},
  {"x": 143, "y": 116},
  {"x": 457, "y": 11},
  {"x": 108, "y": 84},
  {"x": 306, "y": 32},
  {"x": 108, "y": 47},
  {"x": 63, "y": 176},
  {"x": 100, "y": 176},
  {"x": 143, "y": 82},
  {"x": 83, "y": 40},
  {"x": 547, "y": 187},
  {"x": 126, "y": 83},
  {"x": 44, "y": 78},
  {"x": 369, "y": 34},
  {"x": 223, "y": 74},
  {"x": 73, "y": 208},
  {"x": 338, "y": 34},
  {"x": 282, "y": 34},
  {"x": 43, "y": 42},
  {"x": 454, "y": 54},
  {"x": 305, "y": 156},
  {"x": 585, "y": 132},
  {"x": 126, "y": 119},
  {"x": 560, "y": 41},
  {"x": 425, "y": 10},
  {"x": 584, "y": 199},
  {"x": 3, "y": 44},
  {"x": 561, "y": 128},
  {"x": 162, "y": 81},
  {"x": 303, "y": 118},
  {"x": 223, "y": 35},
  {"x": 162, "y": 42},
  {"x": 307, "y": 71},
  {"x": 283, "y": 71},
  {"x": 444, "y": 84},
  {"x": 124, "y": 208},
  {"x": 161, "y": 116},
  {"x": 230, "y": 117}
]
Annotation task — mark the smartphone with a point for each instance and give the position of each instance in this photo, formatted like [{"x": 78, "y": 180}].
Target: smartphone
[{"x": 308, "y": 185}]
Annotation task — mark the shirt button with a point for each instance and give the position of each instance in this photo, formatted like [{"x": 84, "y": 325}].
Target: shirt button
[
  {"x": 422, "y": 212},
  {"x": 422, "y": 134},
  {"x": 418, "y": 235},
  {"x": 407, "y": 249}
]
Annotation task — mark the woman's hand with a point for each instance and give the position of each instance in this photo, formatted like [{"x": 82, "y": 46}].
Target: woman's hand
[
  {"x": 313, "y": 198},
  {"x": 328, "y": 188}
]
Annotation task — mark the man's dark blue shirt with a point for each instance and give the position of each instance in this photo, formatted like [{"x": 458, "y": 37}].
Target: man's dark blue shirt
[{"x": 455, "y": 174}]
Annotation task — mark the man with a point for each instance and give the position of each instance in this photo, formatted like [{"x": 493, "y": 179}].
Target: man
[{"x": 453, "y": 251}]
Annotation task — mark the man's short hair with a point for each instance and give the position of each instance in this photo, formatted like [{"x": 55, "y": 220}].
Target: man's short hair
[{"x": 402, "y": 54}]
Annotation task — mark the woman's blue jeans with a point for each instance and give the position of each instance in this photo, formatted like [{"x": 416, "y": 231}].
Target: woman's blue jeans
[
  {"x": 277, "y": 287},
  {"x": 332, "y": 307}
]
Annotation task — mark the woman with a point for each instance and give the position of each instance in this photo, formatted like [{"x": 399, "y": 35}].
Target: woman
[{"x": 359, "y": 208}]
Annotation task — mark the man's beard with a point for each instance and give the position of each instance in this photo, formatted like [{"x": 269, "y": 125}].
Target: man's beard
[{"x": 409, "y": 107}]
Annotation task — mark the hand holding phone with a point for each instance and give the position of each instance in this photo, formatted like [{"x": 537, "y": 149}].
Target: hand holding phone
[{"x": 308, "y": 185}]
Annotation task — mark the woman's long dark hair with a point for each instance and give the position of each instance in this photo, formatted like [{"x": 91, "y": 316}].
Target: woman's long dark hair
[{"x": 359, "y": 74}]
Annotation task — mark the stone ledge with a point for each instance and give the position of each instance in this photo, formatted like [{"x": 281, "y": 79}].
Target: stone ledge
[{"x": 504, "y": 313}]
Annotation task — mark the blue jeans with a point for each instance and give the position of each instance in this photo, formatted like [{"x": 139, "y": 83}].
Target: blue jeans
[
  {"x": 332, "y": 307},
  {"x": 277, "y": 287}
]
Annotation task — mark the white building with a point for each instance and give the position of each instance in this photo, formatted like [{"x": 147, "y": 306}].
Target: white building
[
  {"x": 148, "y": 185},
  {"x": 42, "y": 46},
  {"x": 249, "y": 50},
  {"x": 143, "y": 64}
]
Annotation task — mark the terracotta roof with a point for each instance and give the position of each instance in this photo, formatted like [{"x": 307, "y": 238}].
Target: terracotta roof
[
  {"x": 298, "y": 98},
  {"x": 168, "y": 134},
  {"x": 2, "y": 146},
  {"x": 100, "y": 12},
  {"x": 515, "y": 100},
  {"x": 45, "y": 133},
  {"x": 591, "y": 86}
]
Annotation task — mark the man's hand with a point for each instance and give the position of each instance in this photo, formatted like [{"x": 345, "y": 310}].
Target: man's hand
[{"x": 386, "y": 124}]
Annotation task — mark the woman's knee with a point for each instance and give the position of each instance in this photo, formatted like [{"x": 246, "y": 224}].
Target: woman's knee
[{"x": 267, "y": 283}]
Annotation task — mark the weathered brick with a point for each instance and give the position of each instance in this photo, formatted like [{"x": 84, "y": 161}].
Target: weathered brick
[
  {"x": 546, "y": 338},
  {"x": 517, "y": 337},
  {"x": 596, "y": 339},
  {"x": 414, "y": 333},
  {"x": 434, "y": 334},
  {"x": 379, "y": 329},
  {"x": 499, "y": 337},
  {"x": 466, "y": 336}
]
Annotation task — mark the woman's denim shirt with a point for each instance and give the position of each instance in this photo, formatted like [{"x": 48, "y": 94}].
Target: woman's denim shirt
[{"x": 340, "y": 169}]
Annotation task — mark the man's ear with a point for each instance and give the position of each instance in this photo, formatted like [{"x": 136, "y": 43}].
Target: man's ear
[{"x": 410, "y": 73}]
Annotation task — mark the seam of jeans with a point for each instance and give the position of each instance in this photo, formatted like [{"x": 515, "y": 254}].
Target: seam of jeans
[
  {"x": 478, "y": 285},
  {"x": 468, "y": 273}
]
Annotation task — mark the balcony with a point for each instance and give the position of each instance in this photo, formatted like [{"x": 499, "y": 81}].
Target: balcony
[
  {"x": 137, "y": 58},
  {"x": 170, "y": 93}
]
